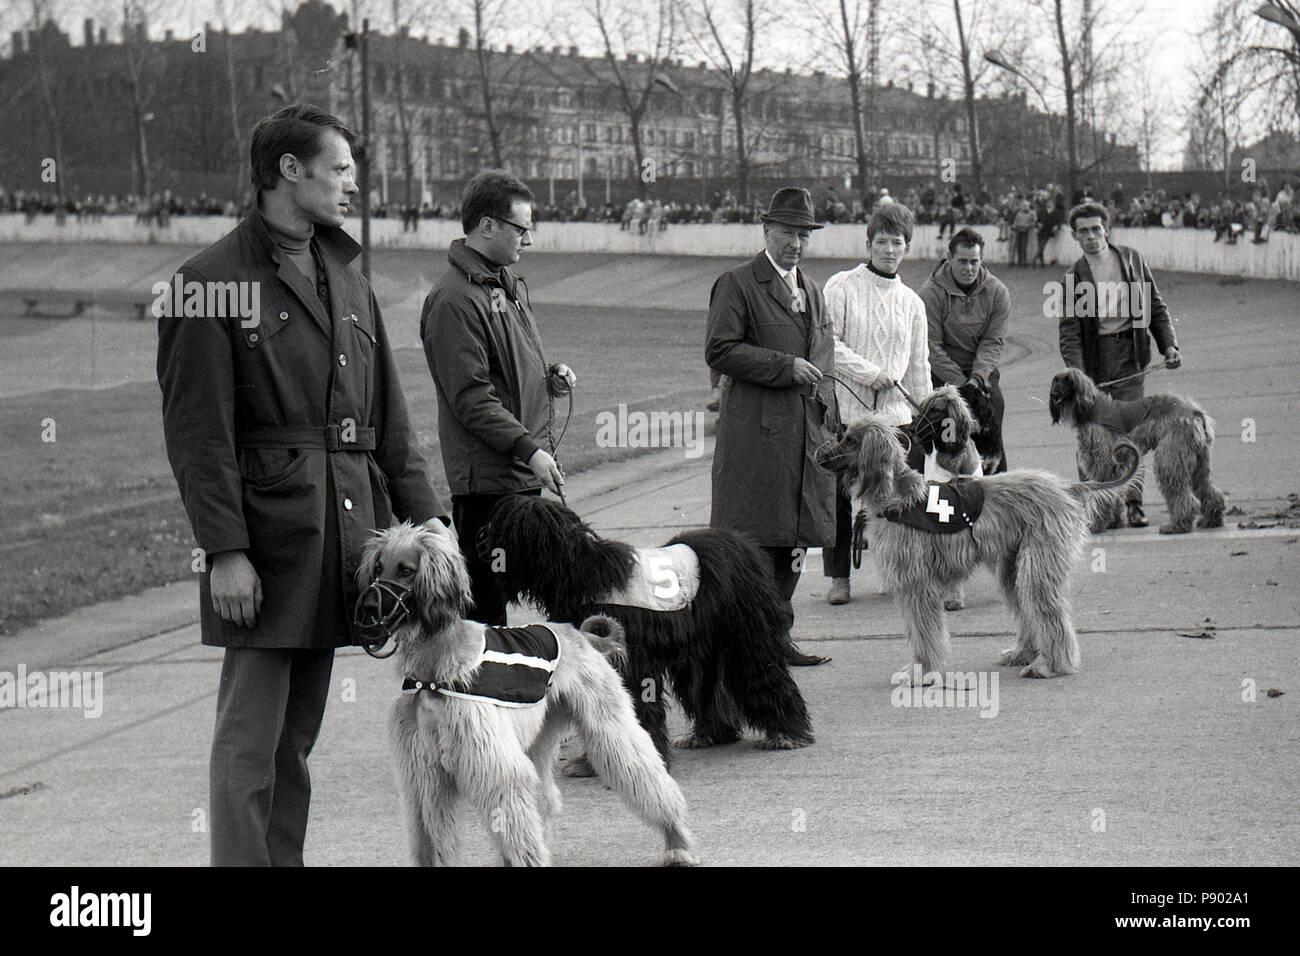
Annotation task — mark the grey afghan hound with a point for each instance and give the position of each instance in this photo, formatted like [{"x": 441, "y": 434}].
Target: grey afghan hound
[
  {"x": 484, "y": 709},
  {"x": 1027, "y": 527},
  {"x": 1177, "y": 430}
]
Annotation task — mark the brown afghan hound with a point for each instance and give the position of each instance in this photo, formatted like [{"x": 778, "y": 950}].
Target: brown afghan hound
[
  {"x": 1178, "y": 431},
  {"x": 1027, "y": 527},
  {"x": 483, "y": 710}
]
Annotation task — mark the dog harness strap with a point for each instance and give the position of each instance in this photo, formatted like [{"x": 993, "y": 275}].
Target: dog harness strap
[
  {"x": 949, "y": 507},
  {"x": 328, "y": 437},
  {"x": 515, "y": 670}
]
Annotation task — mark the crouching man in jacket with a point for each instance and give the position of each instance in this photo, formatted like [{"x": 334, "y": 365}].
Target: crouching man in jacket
[{"x": 289, "y": 439}]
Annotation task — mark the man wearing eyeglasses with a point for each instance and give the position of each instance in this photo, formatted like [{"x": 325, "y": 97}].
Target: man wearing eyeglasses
[{"x": 495, "y": 389}]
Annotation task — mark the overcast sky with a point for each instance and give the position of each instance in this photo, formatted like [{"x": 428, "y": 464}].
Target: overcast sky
[{"x": 1172, "y": 22}]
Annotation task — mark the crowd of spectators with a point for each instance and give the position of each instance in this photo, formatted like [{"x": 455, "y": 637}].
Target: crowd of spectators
[
  {"x": 945, "y": 204},
  {"x": 89, "y": 207}
]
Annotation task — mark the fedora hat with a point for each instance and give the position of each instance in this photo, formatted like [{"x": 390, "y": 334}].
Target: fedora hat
[{"x": 792, "y": 206}]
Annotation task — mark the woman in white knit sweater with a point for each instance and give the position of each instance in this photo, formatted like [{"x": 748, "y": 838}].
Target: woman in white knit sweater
[{"x": 880, "y": 331}]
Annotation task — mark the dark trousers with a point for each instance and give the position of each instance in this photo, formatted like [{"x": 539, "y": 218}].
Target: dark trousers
[
  {"x": 269, "y": 710},
  {"x": 836, "y": 561},
  {"x": 470, "y": 513},
  {"x": 1115, "y": 360},
  {"x": 1022, "y": 247},
  {"x": 786, "y": 568}
]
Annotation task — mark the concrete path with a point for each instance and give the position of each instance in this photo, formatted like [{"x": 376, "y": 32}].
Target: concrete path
[{"x": 1165, "y": 749}]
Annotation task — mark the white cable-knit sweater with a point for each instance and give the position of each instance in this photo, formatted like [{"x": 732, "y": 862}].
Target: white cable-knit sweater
[{"x": 879, "y": 326}]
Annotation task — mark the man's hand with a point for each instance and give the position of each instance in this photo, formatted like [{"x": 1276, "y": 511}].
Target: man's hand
[
  {"x": 562, "y": 378},
  {"x": 883, "y": 383},
  {"x": 236, "y": 588},
  {"x": 1172, "y": 358},
  {"x": 546, "y": 470},
  {"x": 805, "y": 372}
]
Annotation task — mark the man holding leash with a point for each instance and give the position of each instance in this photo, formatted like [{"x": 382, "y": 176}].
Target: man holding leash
[
  {"x": 769, "y": 338},
  {"x": 967, "y": 309},
  {"x": 289, "y": 439},
  {"x": 495, "y": 390},
  {"x": 1111, "y": 340}
]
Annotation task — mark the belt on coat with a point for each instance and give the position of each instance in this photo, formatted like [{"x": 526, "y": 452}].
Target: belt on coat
[{"x": 329, "y": 437}]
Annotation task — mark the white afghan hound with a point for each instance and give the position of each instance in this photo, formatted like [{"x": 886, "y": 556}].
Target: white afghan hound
[
  {"x": 484, "y": 709},
  {"x": 1027, "y": 527}
]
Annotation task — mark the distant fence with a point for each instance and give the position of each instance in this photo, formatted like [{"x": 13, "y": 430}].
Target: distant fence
[{"x": 1181, "y": 250}]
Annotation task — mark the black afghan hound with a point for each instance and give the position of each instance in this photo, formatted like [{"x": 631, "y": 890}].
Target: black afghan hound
[{"x": 722, "y": 648}]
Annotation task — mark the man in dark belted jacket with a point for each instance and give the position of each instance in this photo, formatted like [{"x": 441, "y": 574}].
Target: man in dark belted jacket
[
  {"x": 287, "y": 433},
  {"x": 495, "y": 389},
  {"x": 1115, "y": 312},
  {"x": 769, "y": 335}
]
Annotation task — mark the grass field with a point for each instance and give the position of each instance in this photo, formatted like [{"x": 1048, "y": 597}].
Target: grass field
[{"x": 95, "y": 514}]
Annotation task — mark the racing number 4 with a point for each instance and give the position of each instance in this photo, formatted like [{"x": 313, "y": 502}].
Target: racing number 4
[{"x": 936, "y": 505}]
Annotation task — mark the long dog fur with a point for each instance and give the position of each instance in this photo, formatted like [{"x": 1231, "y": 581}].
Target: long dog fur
[
  {"x": 1030, "y": 533},
  {"x": 1177, "y": 430},
  {"x": 450, "y": 751},
  {"x": 724, "y": 655}
]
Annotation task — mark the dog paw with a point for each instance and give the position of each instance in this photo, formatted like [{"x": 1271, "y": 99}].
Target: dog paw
[
  {"x": 579, "y": 767},
  {"x": 1175, "y": 529},
  {"x": 1040, "y": 669},
  {"x": 1210, "y": 521},
  {"x": 1013, "y": 657},
  {"x": 954, "y": 604},
  {"x": 680, "y": 857},
  {"x": 782, "y": 742}
]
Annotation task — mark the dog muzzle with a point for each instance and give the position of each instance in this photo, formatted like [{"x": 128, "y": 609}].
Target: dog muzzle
[{"x": 381, "y": 609}]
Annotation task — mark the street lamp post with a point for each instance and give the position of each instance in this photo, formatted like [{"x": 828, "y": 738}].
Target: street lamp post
[
  {"x": 997, "y": 59},
  {"x": 1279, "y": 16}
]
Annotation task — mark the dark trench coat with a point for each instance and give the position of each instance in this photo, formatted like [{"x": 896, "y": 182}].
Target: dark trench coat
[
  {"x": 299, "y": 503},
  {"x": 765, "y": 480}
]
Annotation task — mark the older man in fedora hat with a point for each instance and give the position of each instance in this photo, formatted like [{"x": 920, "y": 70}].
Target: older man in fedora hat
[{"x": 769, "y": 338}]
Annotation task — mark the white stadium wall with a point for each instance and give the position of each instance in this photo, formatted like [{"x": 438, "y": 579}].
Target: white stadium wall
[{"x": 1182, "y": 250}]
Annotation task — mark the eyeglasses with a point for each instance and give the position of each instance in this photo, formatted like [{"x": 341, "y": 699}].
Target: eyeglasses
[{"x": 524, "y": 231}]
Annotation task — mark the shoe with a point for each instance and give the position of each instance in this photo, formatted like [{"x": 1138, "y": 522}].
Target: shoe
[
  {"x": 797, "y": 658},
  {"x": 1136, "y": 517},
  {"x": 839, "y": 591}
]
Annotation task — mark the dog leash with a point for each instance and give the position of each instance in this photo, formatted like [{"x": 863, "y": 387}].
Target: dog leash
[
  {"x": 555, "y": 448},
  {"x": 1126, "y": 378},
  {"x": 871, "y": 408}
]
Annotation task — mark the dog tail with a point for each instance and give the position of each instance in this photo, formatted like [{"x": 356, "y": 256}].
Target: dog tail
[
  {"x": 1125, "y": 455},
  {"x": 607, "y": 636},
  {"x": 1204, "y": 428}
]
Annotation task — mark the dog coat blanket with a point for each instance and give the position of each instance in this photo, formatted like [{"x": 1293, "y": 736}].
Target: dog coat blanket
[
  {"x": 515, "y": 670},
  {"x": 948, "y": 507},
  {"x": 663, "y": 579}
]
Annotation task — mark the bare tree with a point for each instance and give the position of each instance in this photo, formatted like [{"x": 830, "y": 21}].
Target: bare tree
[
  {"x": 1255, "y": 63},
  {"x": 53, "y": 116},
  {"x": 638, "y": 39},
  {"x": 145, "y": 64},
  {"x": 849, "y": 28},
  {"x": 728, "y": 33},
  {"x": 1215, "y": 121}
]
